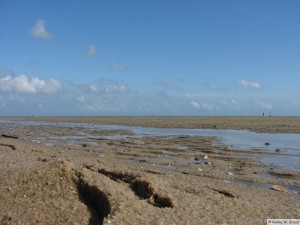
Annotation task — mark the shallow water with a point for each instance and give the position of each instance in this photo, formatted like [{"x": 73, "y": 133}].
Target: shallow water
[
  {"x": 293, "y": 190},
  {"x": 236, "y": 139}
]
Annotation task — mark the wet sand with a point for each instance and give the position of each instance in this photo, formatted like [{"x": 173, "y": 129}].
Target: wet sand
[{"x": 150, "y": 180}]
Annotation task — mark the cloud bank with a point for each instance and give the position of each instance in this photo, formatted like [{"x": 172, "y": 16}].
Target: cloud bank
[
  {"x": 23, "y": 84},
  {"x": 23, "y": 95},
  {"x": 39, "y": 30}
]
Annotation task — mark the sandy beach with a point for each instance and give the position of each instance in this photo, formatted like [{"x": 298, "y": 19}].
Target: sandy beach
[{"x": 148, "y": 180}]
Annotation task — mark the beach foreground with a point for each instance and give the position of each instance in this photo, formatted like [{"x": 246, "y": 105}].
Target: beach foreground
[{"x": 149, "y": 180}]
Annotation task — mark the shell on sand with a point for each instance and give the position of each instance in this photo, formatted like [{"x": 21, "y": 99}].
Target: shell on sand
[{"x": 279, "y": 188}]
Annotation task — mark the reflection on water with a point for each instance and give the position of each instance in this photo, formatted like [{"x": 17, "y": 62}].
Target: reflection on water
[{"x": 236, "y": 139}]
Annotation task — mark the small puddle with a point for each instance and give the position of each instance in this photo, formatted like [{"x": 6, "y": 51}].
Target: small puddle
[{"x": 182, "y": 147}]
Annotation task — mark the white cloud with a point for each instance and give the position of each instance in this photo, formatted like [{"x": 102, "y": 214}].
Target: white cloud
[
  {"x": 93, "y": 88},
  {"x": 249, "y": 84},
  {"x": 207, "y": 106},
  {"x": 103, "y": 88},
  {"x": 230, "y": 103},
  {"x": 196, "y": 105},
  {"x": 171, "y": 84},
  {"x": 81, "y": 98},
  {"x": 114, "y": 89},
  {"x": 91, "y": 51},
  {"x": 190, "y": 95},
  {"x": 23, "y": 84},
  {"x": 210, "y": 86},
  {"x": 39, "y": 30},
  {"x": 234, "y": 102},
  {"x": 265, "y": 105},
  {"x": 117, "y": 67},
  {"x": 224, "y": 102}
]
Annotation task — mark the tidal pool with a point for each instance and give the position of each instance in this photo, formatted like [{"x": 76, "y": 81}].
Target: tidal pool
[{"x": 288, "y": 159}]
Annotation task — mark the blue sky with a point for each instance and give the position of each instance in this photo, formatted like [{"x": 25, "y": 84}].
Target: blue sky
[{"x": 150, "y": 58}]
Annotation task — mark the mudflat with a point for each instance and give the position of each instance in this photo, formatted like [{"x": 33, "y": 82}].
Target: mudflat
[
  {"x": 258, "y": 124},
  {"x": 147, "y": 180}
]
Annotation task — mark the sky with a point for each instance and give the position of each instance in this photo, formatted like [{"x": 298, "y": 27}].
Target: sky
[{"x": 149, "y": 58}]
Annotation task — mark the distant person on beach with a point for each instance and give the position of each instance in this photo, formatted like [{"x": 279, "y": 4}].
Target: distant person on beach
[
  {"x": 270, "y": 114},
  {"x": 263, "y": 114}
]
